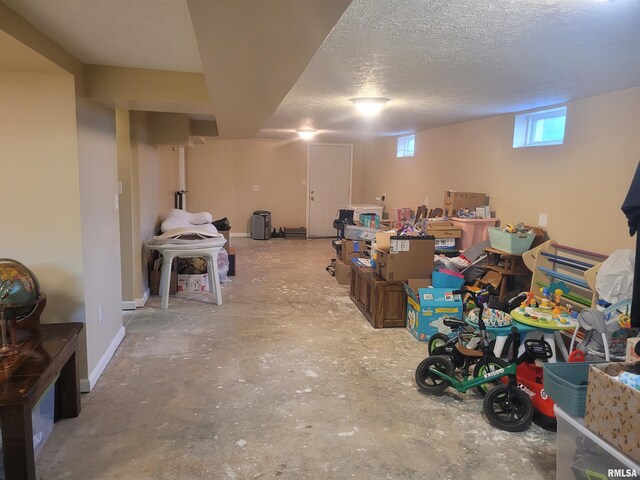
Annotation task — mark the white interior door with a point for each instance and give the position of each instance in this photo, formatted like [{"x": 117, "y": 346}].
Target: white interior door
[{"x": 329, "y": 186}]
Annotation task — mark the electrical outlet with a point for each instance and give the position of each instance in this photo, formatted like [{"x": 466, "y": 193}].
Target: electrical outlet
[
  {"x": 542, "y": 220},
  {"x": 304, "y": 182},
  {"x": 99, "y": 313},
  {"x": 256, "y": 188},
  {"x": 426, "y": 201},
  {"x": 117, "y": 203}
]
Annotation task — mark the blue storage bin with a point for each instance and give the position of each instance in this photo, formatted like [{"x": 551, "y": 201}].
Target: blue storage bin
[
  {"x": 566, "y": 384},
  {"x": 444, "y": 280}
]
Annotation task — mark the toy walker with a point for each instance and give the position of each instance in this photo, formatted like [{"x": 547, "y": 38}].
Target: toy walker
[{"x": 605, "y": 333}]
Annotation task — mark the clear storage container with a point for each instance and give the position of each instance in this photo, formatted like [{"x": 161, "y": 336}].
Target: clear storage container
[{"x": 581, "y": 454}]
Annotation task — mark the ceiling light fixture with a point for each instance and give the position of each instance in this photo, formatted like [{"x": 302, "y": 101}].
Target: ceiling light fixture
[
  {"x": 307, "y": 133},
  {"x": 369, "y": 106}
]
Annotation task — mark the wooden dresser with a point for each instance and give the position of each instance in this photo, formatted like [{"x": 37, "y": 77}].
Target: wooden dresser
[{"x": 383, "y": 303}]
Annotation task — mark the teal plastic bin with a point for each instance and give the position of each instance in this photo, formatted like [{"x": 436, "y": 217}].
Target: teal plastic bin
[
  {"x": 442, "y": 278},
  {"x": 566, "y": 384},
  {"x": 513, "y": 243}
]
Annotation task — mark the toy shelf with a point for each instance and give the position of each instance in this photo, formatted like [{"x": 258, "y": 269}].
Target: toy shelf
[{"x": 551, "y": 262}]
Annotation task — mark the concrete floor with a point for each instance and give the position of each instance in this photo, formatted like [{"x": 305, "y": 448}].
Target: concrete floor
[{"x": 285, "y": 379}]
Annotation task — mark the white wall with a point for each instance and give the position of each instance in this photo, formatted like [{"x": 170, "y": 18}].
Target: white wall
[{"x": 100, "y": 234}]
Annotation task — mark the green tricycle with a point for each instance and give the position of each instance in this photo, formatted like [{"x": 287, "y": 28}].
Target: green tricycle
[{"x": 506, "y": 406}]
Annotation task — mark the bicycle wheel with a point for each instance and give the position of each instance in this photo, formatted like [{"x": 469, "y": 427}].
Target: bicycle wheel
[
  {"x": 484, "y": 366},
  {"x": 429, "y": 382},
  {"x": 436, "y": 340},
  {"x": 508, "y": 408}
]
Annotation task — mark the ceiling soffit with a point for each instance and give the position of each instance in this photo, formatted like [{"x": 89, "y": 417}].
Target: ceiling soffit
[{"x": 253, "y": 52}]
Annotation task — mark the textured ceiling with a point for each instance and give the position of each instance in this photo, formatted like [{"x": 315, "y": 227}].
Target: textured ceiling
[
  {"x": 440, "y": 62},
  {"x": 154, "y": 34},
  {"x": 446, "y": 62}
]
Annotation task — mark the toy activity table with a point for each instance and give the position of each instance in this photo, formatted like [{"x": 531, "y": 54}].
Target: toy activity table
[
  {"x": 542, "y": 320},
  {"x": 500, "y": 332}
]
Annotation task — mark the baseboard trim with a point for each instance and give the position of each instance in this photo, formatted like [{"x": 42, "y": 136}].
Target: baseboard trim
[
  {"x": 129, "y": 305},
  {"x": 239, "y": 235},
  {"x": 87, "y": 384},
  {"x": 141, "y": 302}
]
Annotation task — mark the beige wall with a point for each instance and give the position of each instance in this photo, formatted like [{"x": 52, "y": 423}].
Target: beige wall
[
  {"x": 39, "y": 189},
  {"x": 580, "y": 185},
  {"x": 128, "y": 211},
  {"x": 157, "y": 182},
  {"x": 100, "y": 228},
  {"x": 221, "y": 175}
]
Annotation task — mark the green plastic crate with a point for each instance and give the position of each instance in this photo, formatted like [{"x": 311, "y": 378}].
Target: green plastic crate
[
  {"x": 566, "y": 384},
  {"x": 514, "y": 243}
]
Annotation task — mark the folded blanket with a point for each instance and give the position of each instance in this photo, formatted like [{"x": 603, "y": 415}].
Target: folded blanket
[{"x": 182, "y": 219}]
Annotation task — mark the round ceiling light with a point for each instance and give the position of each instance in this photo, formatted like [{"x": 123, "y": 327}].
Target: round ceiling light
[
  {"x": 306, "y": 133},
  {"x": 369, "y": 106}
]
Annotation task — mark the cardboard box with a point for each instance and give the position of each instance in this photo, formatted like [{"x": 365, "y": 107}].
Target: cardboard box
[
  {"x": 632, "y": 348},
  {"x": 225, "y": 234},
  {"x": 343, "y": 271},
  {"x": 356, "y": 232},
  {"x": 352, "y": 249},
  {"x": 442, "y": 229},
  {"x": 483, "y": 212},
  {"x": 193, "y": 283},
  {"x": 426, "y": 307},
  {"x": 613, "y": 408},
  {"x": 407, "y": 257},
  {"x": 154, "y": 282},
  {"x": 400, "y": 214},
  {"x": 453, "y": 201},
  {"x": 383, "y": 239}
]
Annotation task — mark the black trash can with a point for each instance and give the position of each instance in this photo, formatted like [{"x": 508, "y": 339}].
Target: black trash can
[{"x": 261, "y": 225}]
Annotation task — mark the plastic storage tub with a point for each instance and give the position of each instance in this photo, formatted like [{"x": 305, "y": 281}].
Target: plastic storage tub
[
  {"x": 514, "y": 243},
  {"x": 473, "y": 230},
  {"x": 442, "y": 278},
  {"x": 582, "y": 454},
  {"x": 42, "y": 420},
  {"x": 566, "y": 384}
]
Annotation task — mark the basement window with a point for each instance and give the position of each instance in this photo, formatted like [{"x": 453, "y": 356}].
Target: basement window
[
  {"x": 406, "y": 146},
  {"x": 539, "y": 128}
]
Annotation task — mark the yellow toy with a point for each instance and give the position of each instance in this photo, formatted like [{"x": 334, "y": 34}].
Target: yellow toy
[
  {"x": 624, "y": 320},
  {"x": 530, "y": 301},
  {"x": 558, "y": 293}
]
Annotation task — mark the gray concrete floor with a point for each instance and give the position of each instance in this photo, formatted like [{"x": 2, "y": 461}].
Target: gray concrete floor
[{"x": 285, "y": 379}]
